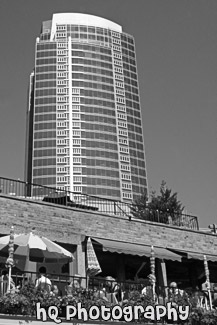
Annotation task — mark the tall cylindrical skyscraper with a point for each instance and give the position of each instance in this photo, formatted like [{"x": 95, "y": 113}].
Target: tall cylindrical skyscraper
[{"x": 84, "y": 128}]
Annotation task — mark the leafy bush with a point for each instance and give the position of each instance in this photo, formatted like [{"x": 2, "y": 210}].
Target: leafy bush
[
  {"x": 24, "y": 302},
  {"x": 200, "y": 316}
]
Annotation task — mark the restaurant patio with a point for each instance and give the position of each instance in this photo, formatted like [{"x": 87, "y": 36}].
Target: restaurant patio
[{"x": 101, "y": 285}]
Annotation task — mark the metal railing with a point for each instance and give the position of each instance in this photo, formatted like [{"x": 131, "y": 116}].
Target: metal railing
[
  {"x": 93, "y": 203},
  {"x": 166, "y": 217},
  {"x": 111, "y": 290},
  {"x": 61, "y": 281}
]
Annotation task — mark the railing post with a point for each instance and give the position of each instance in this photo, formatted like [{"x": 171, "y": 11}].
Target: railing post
[
  {"x": 168, "y": 217},
  {"x": 197, "y": 224},
  {"x": 158, "y": 217},
  {"x": 114, "y": 207},
  {"x": 25, "y": 190}
]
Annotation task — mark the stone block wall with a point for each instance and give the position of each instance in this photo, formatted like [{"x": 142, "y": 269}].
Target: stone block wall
[{"x": 70, "y": 225}]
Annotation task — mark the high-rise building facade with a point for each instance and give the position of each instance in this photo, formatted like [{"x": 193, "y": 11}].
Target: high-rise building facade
[{"x": 84, "y": 128}]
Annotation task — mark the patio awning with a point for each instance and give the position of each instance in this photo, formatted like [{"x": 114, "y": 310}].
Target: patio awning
[
  {"x": 136, "y": 249},
  {"x": 198, "y": 256}
]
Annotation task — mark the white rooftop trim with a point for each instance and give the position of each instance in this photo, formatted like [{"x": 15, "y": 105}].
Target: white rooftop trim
[{"x": 82, "y": 19}]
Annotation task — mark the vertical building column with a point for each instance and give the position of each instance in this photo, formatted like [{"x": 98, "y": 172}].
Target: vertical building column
[
  {"x": 61, "y": 113},
  {"x": 73, "y": 265},
  {"x": 161, "y": 273},
  {"x": 121, "y": 117},
  {"x": 81, "y": 265},
  {"x": 121, "y": 267},
  {"x": 70, "y": 113}
]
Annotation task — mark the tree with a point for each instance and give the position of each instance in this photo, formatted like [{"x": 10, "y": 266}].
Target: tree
[
  {"x": 140, "y": 207},
  {"x": 166, "y": 201},
  {"x": 164, "y": 207}
]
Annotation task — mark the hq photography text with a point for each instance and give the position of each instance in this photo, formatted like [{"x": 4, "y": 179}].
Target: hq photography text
[{"x": 127, "y": 313}]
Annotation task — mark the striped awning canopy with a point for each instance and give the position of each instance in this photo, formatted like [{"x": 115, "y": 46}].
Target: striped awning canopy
[
  {"x": 93, "y": 266},
  {"x": 137, "y": 249}
]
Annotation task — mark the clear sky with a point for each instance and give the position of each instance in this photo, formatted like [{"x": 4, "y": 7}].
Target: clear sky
[{"x": 176, "y": 43}]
